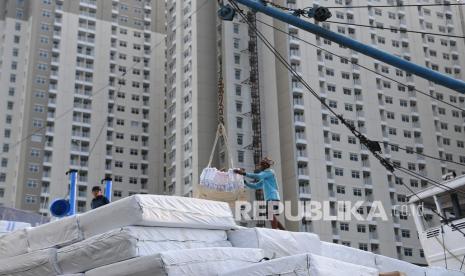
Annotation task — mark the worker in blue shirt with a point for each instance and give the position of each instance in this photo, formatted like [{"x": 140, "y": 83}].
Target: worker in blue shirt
[{"x": 265, "y": 179}]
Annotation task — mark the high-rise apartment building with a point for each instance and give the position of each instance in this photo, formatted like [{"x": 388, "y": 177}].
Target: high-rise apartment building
[
  {"x": 83, "y": 89},
  {"x": 316, "y": 157}
]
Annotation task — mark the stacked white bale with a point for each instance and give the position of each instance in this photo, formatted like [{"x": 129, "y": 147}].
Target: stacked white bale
[
  {"x": 303, "y": 264},
  {"x": 275, "y": 243},
  {"x": 131, "y": 242},
  {"x": 13, "y": 244},
  {"x": 38, "y": 263},
  {"x": 204, "y": 261},
  {"x": 348, "y": 254},
  {"x": 161, "y": 211},
  {"x": 7, "y": 226},
  {"x": 386, "y": 264},
  {"x": 440, "y": 271}
]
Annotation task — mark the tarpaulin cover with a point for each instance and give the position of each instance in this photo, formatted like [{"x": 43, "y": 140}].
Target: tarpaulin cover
[
  {"x": 156, "y": 210},
  {"x": 386, "y": 264},
  {"x": 348, "y": 254},
  {"x": 204, "y": 262},
  {"x": 38, "y": 263},
  {"x": 134, "y": 241},
  {"x": 13, "y": 244},
  {"x": 275, "y": 243},
  {"x": 303, "y": 264}
]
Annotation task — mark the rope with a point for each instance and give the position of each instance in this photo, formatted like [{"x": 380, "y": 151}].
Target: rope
[{"x": 221, "y": 132}]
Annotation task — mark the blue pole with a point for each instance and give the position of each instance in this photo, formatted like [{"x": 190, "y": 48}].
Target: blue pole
[
  {"x": 72, "y": 192},
  {"x": 108, "y": 188},
  {"x": 393, "y": 60}
]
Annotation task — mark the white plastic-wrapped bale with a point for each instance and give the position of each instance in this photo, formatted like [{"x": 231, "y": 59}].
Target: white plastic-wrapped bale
[
  {"x": 303, "y": 264},
  {"x": 58, "y": 233},
  {"x": 7, "y": 226},
  {"x": 156, "y": 210},
  {"x": 38, "y": 263},
  {"x": 204, "y": 261},
  {"x": 387, "y": 264},
  {"x": 13, "y": 244},
  {"x": 348, "y": 254},
  {"x": 440, "y": 271},
  {"x": 134, "y": 241},
  {"x": 275, "y": 243}
]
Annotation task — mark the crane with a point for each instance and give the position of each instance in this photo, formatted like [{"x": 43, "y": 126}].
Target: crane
[{"x": 226, "y": 12}]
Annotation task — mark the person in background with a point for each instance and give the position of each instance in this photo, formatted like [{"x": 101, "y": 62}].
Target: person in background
[
  {"x": 265, "y": 179},
  {"x": 99, "y": 199}
]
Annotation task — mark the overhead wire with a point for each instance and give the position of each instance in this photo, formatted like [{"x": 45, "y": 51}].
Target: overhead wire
[
  {"x": 409, "y": 87},
  {"x": 361, "y": 137},
  {"x": 396, "y": 6},
  {"x": 400, "y": 30},
  {"x": 421, "y": 153}
]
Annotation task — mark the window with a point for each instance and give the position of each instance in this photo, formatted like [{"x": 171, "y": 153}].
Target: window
[
  {"x": 337, "y": 154},
  {"x": 236, "y": 28},
  {"x": 356, "y": 174},
  {"x": 353, "y": 157},
  {"x": 340, "y": 189},
  {"x": 240, "y": 139},
  {"x": 239, "y": 122},
  {"x": 357, "y": 192},
  {"x": 361, "y": 228},
  {"x": 237, "y": 74},
  {"x": 408, "y": 252},
  {"x": 363, "y": 246},
  {"x": 30, "y": 199},
  {"x": 405, "y": 233},
  {"x": 240, "y": 156},
  {"x": 336, "y": 137},
  {"x": 238, "y": 90},
  {"x": 344, "y": 226},
  {"x": 117, "y": 193},
  {"x": 32, "y": 183},
  {"x": 339, "y": 171},
  {"x": 352, "y": 140}
]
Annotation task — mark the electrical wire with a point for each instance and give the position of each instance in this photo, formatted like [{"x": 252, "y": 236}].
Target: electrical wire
[
  {"x": 410, "y": 87},
  {"x": 397, "y": 6},
  {"x": 422, "y": 154},
  {"x": 384, "y": 162},
  {"x": 400, "y": 30},
  {"x": 365, "y": 141}
]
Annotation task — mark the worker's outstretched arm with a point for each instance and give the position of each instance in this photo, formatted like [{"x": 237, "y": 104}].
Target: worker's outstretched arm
[
  {"x": 259, "y": 176},
  {"x": 256, "y": 186}
]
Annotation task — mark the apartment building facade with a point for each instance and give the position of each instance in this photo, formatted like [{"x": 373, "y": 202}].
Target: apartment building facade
[
  {"x": 316, "y": 157},
  {"x": 84, "y": 89}
]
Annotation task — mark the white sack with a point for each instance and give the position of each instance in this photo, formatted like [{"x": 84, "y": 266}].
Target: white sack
[
  {"x": 13, "y": 244},
  {"x": 38, "y": 263},
  {"x": 348, "y": 254},
  {"x": 303, "y": 264},
  {"x": 386, "y": 264},
  {"x": 202, "y": 262},
  {"x": 156, "y": 210},
  {"x": 134, "y": 241},
  {"x": 440, "y": 271},
  {"x": 58, "y": 233},
  {"x": 275, "y": 243},
  {"x": 214, "y": 179}
]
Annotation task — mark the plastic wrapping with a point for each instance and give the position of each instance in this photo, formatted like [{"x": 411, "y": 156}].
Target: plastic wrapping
[
  {"x": 275, "y": 243},
  {"x": 348, "y": 254},
  {"x": 155, "y": 210},
  {"x": 130, "y": 242},
  {"x": 303, "y": 264},
  {"x": 38, "y": 263},
  {"x": 386, "y": 264},
  {"x": 13, "y": 244},
  {"x": 58, "y": 233},
  {"x": 204, "y": 262}
]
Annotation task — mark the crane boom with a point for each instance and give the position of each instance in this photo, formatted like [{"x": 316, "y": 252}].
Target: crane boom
[{"x": 426, "y": 73}]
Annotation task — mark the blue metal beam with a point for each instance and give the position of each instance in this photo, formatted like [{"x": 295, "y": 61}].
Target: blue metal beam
[
  {"x": 72, "y": 192},
  {"x": 426, "y": 73}
]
